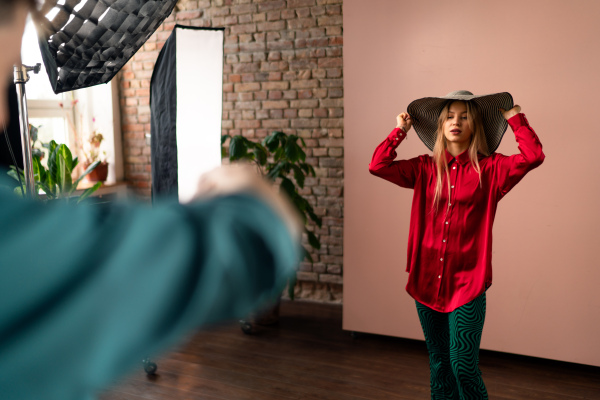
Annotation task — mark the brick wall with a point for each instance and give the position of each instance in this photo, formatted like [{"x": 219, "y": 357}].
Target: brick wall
[{"x": 282, "y": 71}]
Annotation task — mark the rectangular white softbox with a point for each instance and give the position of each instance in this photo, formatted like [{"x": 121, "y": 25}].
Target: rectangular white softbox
[{"x": 186, "y": 101}]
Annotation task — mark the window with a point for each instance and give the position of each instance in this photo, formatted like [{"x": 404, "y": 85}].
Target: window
[{"x": 71, "y": 117}]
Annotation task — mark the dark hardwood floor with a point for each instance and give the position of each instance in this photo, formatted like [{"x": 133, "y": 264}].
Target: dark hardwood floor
[{"x": 308, "y": 356}]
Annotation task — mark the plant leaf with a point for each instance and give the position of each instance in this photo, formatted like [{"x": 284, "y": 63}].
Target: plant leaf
[
  {"x": 224, "y": 138},
  {"x": 39, "y": 172},
  {"x": 278, "y": 155},
  {"x": 46, "y": 189},
  {"x": 291, "y": 148},
  {"x": 288, "y": 187},
  {"x": 20, "y": 190},
  {"x": 14, "y": 174},
  {"x": 52, "y": 146},
  {"x": 64, "y": 178},
  {"x": 274, "y": 172},
  {"x": 88, "y": 192},
  {"x": 260, "y": 154},
  {"x": 314, "y": 217},
  {"x": 298, "y": 175},
  {"x": 302, "y": 154},
  {"x": 52, "y": 162},
  {"x": 301, "y": 204},
  {"x": 307, "y": 255},
  {"x": 50, "y": 184},
  {"x": 87, "y": 171},
  {"x": 313, "y": 240},
  {"x": 237, "y": 148},
  {"x": 65, "y": 153},
  {"x": 311, "y": 170},
  {"x": 273, "y": 140}
]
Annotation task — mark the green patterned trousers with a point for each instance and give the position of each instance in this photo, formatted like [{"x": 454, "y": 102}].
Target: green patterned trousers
[{"x": 453, "y": 344}]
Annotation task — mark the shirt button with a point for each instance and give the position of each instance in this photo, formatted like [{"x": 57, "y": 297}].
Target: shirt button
[
  {"x": 452, "y": 186},
  {"x": 439, "y": 277},
  {"x": 441, "y": 259},
  {"x": 453, "y": 167},
  {"x": 444, "y": 240},
  {"x": 446, "y": 222}
]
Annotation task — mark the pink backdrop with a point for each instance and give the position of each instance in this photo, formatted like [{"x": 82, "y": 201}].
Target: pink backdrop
[{"x": 545, "y": 300}]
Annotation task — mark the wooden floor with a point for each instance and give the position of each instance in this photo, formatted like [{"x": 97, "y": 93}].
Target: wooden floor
[{"x": 308, "y": 356}]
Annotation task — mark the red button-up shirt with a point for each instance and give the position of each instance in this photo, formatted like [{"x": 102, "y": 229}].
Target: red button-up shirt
[{"x": 450, "y": 254}]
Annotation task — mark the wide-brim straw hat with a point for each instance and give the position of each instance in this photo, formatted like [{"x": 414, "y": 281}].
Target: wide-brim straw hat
[{"x": 426, "y": 111}]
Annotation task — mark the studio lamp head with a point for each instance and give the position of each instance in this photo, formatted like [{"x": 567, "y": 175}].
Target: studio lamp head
[{"x": 86, "y": 42}]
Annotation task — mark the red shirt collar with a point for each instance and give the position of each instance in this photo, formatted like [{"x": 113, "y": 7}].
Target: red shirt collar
[{"x": 463, "y": 158}]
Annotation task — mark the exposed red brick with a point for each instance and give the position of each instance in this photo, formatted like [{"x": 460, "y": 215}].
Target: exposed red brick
[{"x": 300, "y": 3}]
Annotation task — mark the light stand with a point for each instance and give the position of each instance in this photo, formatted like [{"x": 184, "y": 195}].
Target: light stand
[{"x": 21, "y": 78}]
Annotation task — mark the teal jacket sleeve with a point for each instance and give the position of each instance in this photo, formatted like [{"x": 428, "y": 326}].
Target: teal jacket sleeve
[{"x": 87, "y": 292}]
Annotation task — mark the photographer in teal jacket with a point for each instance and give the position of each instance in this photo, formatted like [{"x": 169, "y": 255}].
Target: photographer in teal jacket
[{"x": 87, "y": 292}]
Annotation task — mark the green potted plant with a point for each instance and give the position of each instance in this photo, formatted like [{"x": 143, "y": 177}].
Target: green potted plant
[
  {"x": 280, "y": 158},
  {"x": 55, "y": 181}
]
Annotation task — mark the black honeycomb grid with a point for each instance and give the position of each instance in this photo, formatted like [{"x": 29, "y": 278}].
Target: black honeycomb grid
[{"x": 86, "y": 42}]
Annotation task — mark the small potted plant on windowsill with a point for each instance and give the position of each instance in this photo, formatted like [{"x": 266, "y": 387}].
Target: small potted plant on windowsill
[{"x": 92, "y": 153}]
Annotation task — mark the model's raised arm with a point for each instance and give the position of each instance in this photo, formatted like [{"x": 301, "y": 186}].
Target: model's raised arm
[
  {"x": 511, "y": 169},
  {"x": 402, "y": 172}
]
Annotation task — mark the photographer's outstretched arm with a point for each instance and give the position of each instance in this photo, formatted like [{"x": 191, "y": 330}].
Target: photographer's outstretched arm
[{"x": 91, "y": 290}]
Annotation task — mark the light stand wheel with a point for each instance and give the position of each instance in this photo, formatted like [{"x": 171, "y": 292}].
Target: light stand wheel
[
  {"x": 246, "y": 327},
  {"x": 149, "y": 366}
]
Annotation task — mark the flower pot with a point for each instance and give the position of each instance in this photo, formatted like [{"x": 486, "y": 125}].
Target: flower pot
[{"x": 98, "y": 174}]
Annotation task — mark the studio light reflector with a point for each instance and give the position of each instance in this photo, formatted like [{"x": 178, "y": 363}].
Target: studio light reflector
[
  {"x": 186, "y": 103},
  {"x": 86, "y": 42}
]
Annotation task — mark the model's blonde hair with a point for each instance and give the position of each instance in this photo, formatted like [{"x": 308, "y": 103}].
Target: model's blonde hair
[{"x": 478, "y": 145}]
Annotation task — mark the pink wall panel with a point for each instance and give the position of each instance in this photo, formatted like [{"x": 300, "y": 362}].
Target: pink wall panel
[{"x": 545, "y": 300}]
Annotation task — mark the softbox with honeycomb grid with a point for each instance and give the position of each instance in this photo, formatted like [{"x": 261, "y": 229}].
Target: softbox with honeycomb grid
[{"x": 86, "y": 42}]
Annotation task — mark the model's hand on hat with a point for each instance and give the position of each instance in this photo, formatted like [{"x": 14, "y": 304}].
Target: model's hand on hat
[
  {"x": 510, "y": 113},
  {"x": 404, "y": 122}
]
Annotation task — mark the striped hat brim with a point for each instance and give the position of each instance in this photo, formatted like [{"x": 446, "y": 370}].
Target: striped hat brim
[{"x": 426, "y": 111}]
